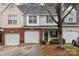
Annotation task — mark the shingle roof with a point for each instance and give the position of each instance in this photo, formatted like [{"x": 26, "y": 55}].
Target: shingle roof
[
  {"x": 22, "y": 7},
  {"x": 35, "y": 9},
  {"x": 39, "y": 10}
]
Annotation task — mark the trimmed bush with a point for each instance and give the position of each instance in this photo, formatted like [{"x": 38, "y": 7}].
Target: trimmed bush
[
  {"x": 56, "y": 41},
  {"x": 43, "y": 42}
]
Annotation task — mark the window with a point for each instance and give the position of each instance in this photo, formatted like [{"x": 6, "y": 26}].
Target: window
[
  {"x": 14, "y": 22},
  {"x": 12, "y": 19},
  {"x": 70, "y": 19},
  {"x": 48, "y": 19},
  {"x": 53, "y": 34},
  {"x": 32, "y": 19}
]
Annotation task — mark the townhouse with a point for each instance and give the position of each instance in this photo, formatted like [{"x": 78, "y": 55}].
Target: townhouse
[{"x": 21, "y": 24}]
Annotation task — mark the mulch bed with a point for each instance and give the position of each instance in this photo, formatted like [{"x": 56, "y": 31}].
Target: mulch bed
[{"x": 52, "y": 50}]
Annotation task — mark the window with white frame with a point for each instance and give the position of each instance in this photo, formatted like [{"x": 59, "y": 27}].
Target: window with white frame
[
  {"x": 32, "y": 19},
  {"x": 70, "y": 20},
  {"x": 49, "y": 19},
  {"x": 12, "y": 19}
]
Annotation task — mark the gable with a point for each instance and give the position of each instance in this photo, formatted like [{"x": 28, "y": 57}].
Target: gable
[{"x": 11, "y": 9}]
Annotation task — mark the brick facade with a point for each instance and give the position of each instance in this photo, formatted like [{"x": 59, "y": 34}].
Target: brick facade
[
  {"x": 13, "y": 30},
  {"x": 20, "y": 31}
]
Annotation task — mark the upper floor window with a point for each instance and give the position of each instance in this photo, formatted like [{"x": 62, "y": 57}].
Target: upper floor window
[
  {"x": 32, "y": 19},
  {"x": 49, "y": 19},
  {"x": 70, "y": 20},
  {"x": 12, "y": 19}
]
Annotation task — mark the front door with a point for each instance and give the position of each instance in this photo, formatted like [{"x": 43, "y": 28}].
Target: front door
[{"x": 46, "y": 36}]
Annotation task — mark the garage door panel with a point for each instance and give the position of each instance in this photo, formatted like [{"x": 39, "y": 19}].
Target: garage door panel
[
  {"x": 69, "y": 36},
  {"x": 12, "y": 39},
  {"x": 31, "y": 37}
]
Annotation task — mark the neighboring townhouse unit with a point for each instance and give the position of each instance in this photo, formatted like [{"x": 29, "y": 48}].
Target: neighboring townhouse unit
[
  {"x": 11, "y": 25},
  {"x": 21, "y": 24}
]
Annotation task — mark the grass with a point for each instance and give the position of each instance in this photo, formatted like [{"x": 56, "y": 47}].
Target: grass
[{"x": 72, "y": 48}]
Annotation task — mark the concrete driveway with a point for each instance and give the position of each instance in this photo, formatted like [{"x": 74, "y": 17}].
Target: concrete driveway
[
  {"x": 35, "y": 51},
  {"x": 28, "y": 50}
]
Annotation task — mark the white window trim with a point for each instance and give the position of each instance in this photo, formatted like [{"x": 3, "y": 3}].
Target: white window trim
[
  {"x": 74, "y": 18},
  {"x": 12, "y": 21},
  {"x": 33, "y": 24}
]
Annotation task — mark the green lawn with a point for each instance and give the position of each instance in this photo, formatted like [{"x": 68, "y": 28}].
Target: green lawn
[{"x": 72, "y": 48}]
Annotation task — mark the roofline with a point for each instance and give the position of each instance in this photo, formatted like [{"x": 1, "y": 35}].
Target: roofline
[
  {"x": 6, "y": 8},
  {"x": 41, "y": 14}
]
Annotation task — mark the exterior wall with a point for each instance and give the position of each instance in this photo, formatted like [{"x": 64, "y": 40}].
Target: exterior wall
[
  {"x": 20, "y": 32},
  {"x": 14, "y": 11},
  {"x": 2, "y": 7},
  {"x": 20, "y": 20},
  {"x": 13, "y": 30},
  {"x": 41, "y": 21},
  {"x": 0, "y": 21}
]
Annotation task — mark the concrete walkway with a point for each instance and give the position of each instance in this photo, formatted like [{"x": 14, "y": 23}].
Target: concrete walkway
[{"x": 29, "y": 50}]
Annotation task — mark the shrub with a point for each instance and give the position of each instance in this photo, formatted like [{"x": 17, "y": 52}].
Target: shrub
[
  {"x": 56, "y": 41},
  {"x": 0, "y": 38},
  {"x": 43, "y": 42}
]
